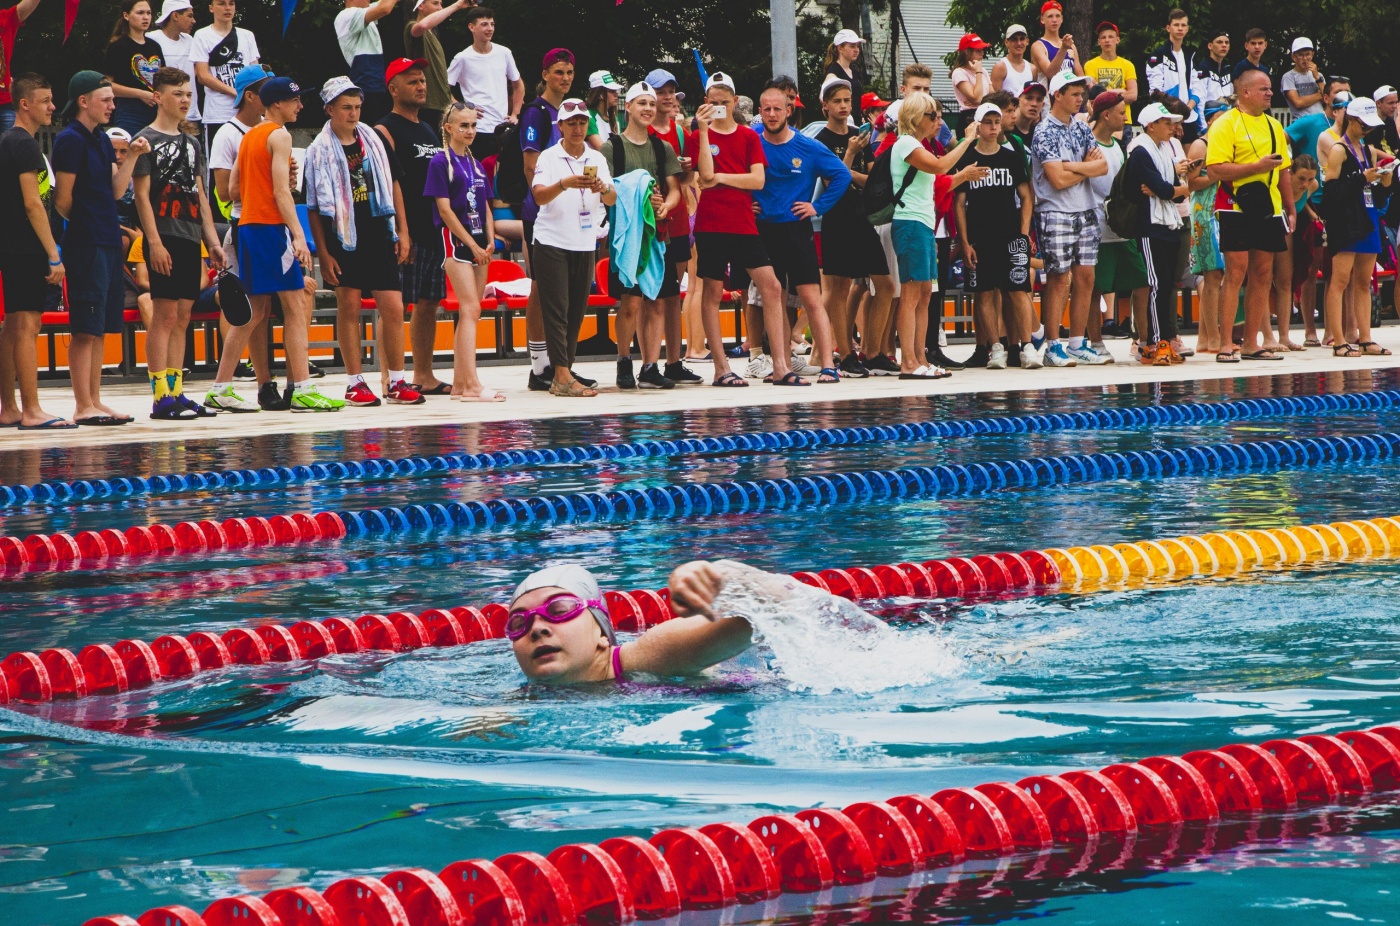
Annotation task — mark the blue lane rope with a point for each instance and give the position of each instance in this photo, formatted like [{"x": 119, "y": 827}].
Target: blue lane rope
[
  {"x": 838, "y": 488},
  {"x": 82, "y": 490}
]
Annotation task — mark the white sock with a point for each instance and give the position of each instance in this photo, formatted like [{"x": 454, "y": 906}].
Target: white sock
[
  {"x": 218, "y": 386},
  {"x": 1076, "y": 343},
  {"x": 350, "y": 381},
  {"x": 1038, "y": 333},
  {"x": 306, "y": 384},
  {"x": 395, "y": 377},
  {"x": 539, "y": 356}
]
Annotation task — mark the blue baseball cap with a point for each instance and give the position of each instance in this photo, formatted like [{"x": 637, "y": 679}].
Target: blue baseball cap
[
  {"x": 660, "y": 78},
  {"x": 245, "y": 78},
  {"x": 277, "y": 89}
]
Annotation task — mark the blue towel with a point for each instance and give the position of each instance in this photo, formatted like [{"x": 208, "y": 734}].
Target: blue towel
[{"x": 638, "y": 255}]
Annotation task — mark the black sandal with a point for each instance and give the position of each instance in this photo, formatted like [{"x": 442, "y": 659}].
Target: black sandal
[
  {"x": 791, "y": 379},
  {"x": 730, "y": 380},
  {"x": 1372, "y": 353},
  {"x": 1346, "y": 350}
]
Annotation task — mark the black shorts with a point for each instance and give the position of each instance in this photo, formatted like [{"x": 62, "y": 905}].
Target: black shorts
[
  {"x": 716, "y": 251},
  {"x": 23, "y": 279},
  {"x": 1239, "y": 232},
  {"x": 372, "y": 266},
  {"x": 670, "y": 283},
  {"x": 678, "y": 250},
  {"x": 1001, "y": 267},
  {"x": 851, "y": 247},
  {"x": 186, "y": 277},
  {"x": 486, "y": 144},
  {"x": 793, "y": 248},
  {"x": 422, "y": 278}
]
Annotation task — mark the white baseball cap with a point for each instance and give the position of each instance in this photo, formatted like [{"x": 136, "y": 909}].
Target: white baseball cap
[
  {"x": 172, "y": 6},
  {"x": 1063, "y": 79},
  {"x": 1301, "y": 44},
  {"x": 1383, "y": 91},
  {"x": 572, "y": 109},
  {"x": 830, "y": 81},
  {"x": 721, "y": 79},
  {"x": 338, "y": 86},
  {"x": 1155, "y": 112},
  {"x": 846, "y": 36},
  {"x": 640, "y": 89},
  {"x": 1364, "y": 108},
  {"x": 603, "y": 79},
  {"x": 1016, "y": 29},
  {"x": 985, "y": 110}
]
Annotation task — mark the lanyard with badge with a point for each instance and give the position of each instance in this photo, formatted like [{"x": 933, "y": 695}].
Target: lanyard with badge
[
  {"x": 1363, "y": 161},
  {"x": 467, "y": 167},
  {"x": 585, "y": 215}
]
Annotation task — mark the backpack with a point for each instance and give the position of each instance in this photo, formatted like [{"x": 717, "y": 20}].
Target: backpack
[
  {"x": 617, "y": 163},
  {"x": 511, "y": 185},
  {"x": 879, "y": 197},
  {"x": 1121, "y": 210}
]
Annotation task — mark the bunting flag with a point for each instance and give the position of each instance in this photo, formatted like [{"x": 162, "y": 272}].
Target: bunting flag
[
  {"x": 288, "y": 8},
  {"x": 700, "y": 66},
  {"x": 70, "y": 15}
]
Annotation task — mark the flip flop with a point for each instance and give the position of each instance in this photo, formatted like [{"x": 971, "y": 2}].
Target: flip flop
[
  {"x": 101, "y": 421},
  {"x": 1260, "y": 355},
  {"x": 12, "y": 424},
  {"x": 53, "y": 424},
  {"x": 439, "y": 389},
  {"x": 1312, "y": 342},
  {"x": 1226, "y": 356},
  {"x": 730, "y": 380},
  {"x": 790, "y": 379}
]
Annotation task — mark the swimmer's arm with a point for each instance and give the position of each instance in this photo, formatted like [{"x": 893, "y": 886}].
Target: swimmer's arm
[{"x": 686, "y": 645}]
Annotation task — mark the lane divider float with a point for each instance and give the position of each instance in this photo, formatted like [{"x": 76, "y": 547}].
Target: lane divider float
[
  {"x": 105, "y": 669},
  {"x": 626, "y": 878},
  {"x": 82, "y": 490},
  {"x": 95, "y": 549}
]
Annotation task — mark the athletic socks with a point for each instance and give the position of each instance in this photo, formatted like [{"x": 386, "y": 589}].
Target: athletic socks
[
  {"x": 1076, "y": 343},
  {"x": 395, "y": 377},
  {"x": 539, "y": 356},
  {"x": 306, "y": 384},
  {"x": 351, "y": 380},
  {"x": 167, "y": 382},
  {"x": 1038, "y": 333}
]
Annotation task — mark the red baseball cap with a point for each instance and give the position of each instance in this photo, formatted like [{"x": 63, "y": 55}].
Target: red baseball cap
[
  {"x": 1105, "y": 25},
  {"x": 972, "y": 40},
  {"x": 399, "y": 65},
  {"x": 872, "y": 101},
  {"x": 1051, "y": 5}
]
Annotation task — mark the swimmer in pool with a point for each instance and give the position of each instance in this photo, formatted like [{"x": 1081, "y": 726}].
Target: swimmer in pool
[{"x": 556, "y": 644}]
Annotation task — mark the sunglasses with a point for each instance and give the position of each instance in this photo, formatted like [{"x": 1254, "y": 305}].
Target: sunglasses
[
  {"x": 572, "y": 108},
  {"x": 559, "y": 609}
]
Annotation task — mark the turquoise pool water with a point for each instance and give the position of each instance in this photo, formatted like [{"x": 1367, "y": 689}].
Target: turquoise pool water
[{"x": 259, "y": 777}]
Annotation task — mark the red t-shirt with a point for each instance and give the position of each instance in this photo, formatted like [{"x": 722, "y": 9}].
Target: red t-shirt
[
  {"x": 9, "y": 28},
  {"x": 682, "y": 142},
  {"x": 723, "y": 208}
]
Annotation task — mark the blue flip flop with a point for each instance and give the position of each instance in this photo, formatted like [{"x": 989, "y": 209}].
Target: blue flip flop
[{"x": 53, "y": 424}]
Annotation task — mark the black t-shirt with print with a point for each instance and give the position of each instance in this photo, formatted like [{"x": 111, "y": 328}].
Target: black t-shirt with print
[
  {"x": 20, "y": 154},
  {"x": 849, "y": 205},
  {"x": 368, "y": 226},
  {"x": 132, "y": 65},
  {"x": 992, "y": 210}
]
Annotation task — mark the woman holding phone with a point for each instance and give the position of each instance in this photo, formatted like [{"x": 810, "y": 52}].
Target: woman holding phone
[{"x": 459, "y": 185}]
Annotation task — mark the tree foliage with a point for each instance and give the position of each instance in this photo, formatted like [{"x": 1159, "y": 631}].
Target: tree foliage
[{"x": 1360, "y": 40}]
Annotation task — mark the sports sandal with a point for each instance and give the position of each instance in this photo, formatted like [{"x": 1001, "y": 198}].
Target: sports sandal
[
  {"x": 791, "y": 379},
  {"x": 828, "y": 375},
  {"x": 1366, "y": 349},
  {"x": 731, "y": 380}
]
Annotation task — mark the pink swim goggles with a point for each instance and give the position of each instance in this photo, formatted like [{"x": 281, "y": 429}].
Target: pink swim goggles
[{"x": 559, "y": 609}]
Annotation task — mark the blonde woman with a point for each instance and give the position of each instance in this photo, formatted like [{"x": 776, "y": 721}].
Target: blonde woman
[{"x": 462, "y": 192}]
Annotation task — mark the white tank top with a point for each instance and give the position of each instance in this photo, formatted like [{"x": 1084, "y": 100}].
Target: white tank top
[{"x": 1016, "y": 80}]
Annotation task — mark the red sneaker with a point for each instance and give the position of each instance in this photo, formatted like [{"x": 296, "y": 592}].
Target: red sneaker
[
  {"x": 403, "y": 393},
  {"x": 360, "y": 395}
]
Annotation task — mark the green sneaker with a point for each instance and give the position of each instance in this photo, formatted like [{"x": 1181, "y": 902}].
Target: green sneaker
[
  {"x": 226, "y": 400},
  {"x": 311, "y": 400}
]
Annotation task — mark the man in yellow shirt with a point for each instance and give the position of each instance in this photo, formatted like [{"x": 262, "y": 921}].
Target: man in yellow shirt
[
  {"x": 1247, "y": 152},
  {"x": 1110, "y": 71}
]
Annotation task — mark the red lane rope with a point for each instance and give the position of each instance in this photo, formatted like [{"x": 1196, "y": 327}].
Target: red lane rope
[
  {"x": 107, "y": 669},
  {"x": 628, "y": 878}
]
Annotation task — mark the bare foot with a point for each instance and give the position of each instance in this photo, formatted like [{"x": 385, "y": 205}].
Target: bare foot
[{"x": 105, "y": 410}]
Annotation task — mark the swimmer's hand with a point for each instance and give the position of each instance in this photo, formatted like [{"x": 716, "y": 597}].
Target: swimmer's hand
[{"x": 694, "y": 587}]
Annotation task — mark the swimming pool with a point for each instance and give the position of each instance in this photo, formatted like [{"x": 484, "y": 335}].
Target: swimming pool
[{"x": 258, "y": 777}]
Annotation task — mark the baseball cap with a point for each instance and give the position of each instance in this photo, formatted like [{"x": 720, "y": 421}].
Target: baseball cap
[
  {"x": 337, "y": 87},
  {"x": 1051, "y": 5},
  {"x": 554, "y": 56},
  {"x": 1062, "y": 80},
  {"x": 277, "y": 89},
  {"x": 985, "y": 110},
  {"x": 972, "y": 40},
  {"x": 117, "y": 133},
  {"x": 1155, "y": 112},
  {"x": 1301, "y": 44},
  {"x": 1105, "y": 101},
  {"x": 1364, "y": 108},
  {"x": 572, "y": 109},
  {"x": 245, "y": 78},
  {"x": 872, "y": 101},
  {"x": 1341, "y": 98},
  {"x": 846, "y": 36},
  {"x": 81, "y": 84},
  {"x": 661, "y": 77},
  {"x": 639, "y": 89},
  {"x": 1016, "y": 29},
  {"x": 1215, "y": 106},
  {"x": 603, "y": 79},
  {"x": 399, "y": 65},
  {"x": 1383, "y": 91},
  {"x": 720, "y": 79},
  {"x": 1033, "y": 85},
  {"x": 830, "y": 81},
  {"x": 172, "y": 6},
  {"x": 1105, "y": 25}
]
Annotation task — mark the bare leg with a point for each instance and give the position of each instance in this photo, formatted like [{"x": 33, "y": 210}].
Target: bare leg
[
  {"x": 823, "y": 345},
  {"x": 1236, "y": 269},
  {"x": 626, "y": 321},
  {"x": 1283, "y": 293},
  {"x": 422, "y": 334},
  {"x": 774, "y": 317},
  {"x": 1017, "y": 314},
  {"x": 391, "y": 334},
  {"x": 238, "y": 338},
  {"x": 713, "y": 293},
  {"x": 160, "y": 331},
  {"x": 1080, "y": 299},
  {"x": 1210, "y": 339},
  {"x": 19, "y": 361},
  {"x": 879, "y": 316},
  {"x": 837, "y": 290},
  {"x": 347, "y": 329},
  {"x": 1052, "y": 303},
  {"x": 468, "y": 280},
  {"x": 296, "y": 319},
  {"x": 650, "y": 330},
  {"x": 912, "y": 322},
  {"x": 1256, "y": 297},
  {"x": 1361, "y": 272}
]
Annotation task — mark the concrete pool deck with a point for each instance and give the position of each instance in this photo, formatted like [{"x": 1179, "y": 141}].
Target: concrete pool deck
[{"x": 521, "y": 404}]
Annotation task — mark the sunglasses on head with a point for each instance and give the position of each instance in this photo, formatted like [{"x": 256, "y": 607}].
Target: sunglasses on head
[
  {"x": 572, "y": 108},
  {"x": 557, "y": 609}
]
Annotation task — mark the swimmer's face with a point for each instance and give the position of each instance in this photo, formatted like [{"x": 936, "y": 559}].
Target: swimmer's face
[{"x": 558, "y": 654}]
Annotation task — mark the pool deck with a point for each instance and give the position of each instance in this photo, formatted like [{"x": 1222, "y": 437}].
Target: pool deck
[{"x": 521, "y": 404}]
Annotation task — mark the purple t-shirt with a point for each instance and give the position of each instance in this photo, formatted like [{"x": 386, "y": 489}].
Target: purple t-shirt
[
  {"x": 469, "y": 191},
  {"x": 538, "y": 132}
]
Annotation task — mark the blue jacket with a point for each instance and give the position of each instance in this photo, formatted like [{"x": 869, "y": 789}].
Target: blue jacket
[
  {"x": 791, "y": 176},
  {"x": 638, "y": 256}
]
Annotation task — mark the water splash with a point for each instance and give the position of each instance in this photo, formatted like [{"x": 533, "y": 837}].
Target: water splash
[{"x": 821, "y": 643}]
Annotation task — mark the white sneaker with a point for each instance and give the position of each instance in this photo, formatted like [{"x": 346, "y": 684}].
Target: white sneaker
[
  {"x": 1056, "y": 356},
  {"x": 1135, "y": 352},
  {"x": 803, "y": 348},
  {"x": 1086, "y": 355},
  {"x": 226, "y": 400},
  {"x": 1030, "y": 357},
  {"x": 760, "y": 365},
  {"x": 1102, "y": 350},
  {"x": 802, "y": 368},
  {"x": 996, "y": 359}
]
